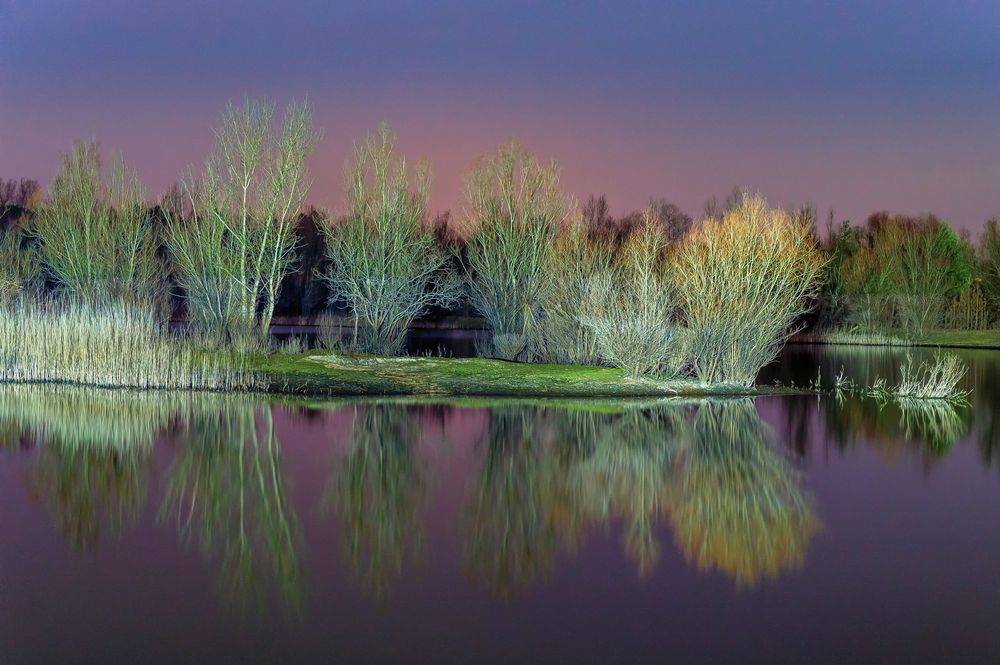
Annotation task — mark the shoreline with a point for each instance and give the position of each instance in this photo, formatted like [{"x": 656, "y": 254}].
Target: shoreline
[{"x": 347, "y": 376}]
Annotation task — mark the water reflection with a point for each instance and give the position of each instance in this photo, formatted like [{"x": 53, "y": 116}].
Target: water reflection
[
  {"x": 227, "y": 495},
  {"x": 742, "y": 510},
  {"x": 379, "y": 489},
  {"x": 93, "y": 460},
  {"x": 926, "y": 429},
  {"x": 709, "y": 478}
]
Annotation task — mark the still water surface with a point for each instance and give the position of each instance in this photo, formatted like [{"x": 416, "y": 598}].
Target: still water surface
[{"x": 170, "y": 528}]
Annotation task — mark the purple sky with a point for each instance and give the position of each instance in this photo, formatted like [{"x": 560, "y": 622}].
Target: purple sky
[{"x": 858, "y": 104}]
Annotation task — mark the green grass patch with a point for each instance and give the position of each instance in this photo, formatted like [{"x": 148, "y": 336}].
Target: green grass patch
[{"x": 312, "y": 374}]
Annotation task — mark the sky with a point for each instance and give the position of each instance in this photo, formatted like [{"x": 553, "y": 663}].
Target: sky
[{"x": 858, "y": 105}]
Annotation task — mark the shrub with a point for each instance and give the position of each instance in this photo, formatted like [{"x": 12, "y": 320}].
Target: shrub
[
  {"x": 572, "y": 263},
  {"x": 95, "y": 238},
  {"x": 514, "y": 211},
  {"x": 631, "y": 307},
  {"x": 385, "y": 262},
  {"x": 19, "y": 266},
  {"x": 509, "y": 346},
  {"x": 231, "y": 237},
  {"x": 742, "y": 281}
]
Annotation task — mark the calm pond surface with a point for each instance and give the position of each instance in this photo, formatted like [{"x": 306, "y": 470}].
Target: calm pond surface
[{"x": 211, "y": 528}]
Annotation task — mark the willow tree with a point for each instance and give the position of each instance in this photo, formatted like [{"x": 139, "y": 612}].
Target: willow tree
[
  {"x": 514, "y": 211},
  {"x": 743, "y": 280},
  {"x": 95, "y": 236},
  {"x": 232, "y": 236},
  {"x": 385, "y": 262}
]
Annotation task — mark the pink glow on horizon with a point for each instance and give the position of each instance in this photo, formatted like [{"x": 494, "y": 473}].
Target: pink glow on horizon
[{"x": 628, "y": 152}]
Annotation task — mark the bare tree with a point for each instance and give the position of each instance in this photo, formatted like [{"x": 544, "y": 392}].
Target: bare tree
[
  {"x": 674, "y": 221},
  {"x": 514, "y": 210},
  {"x": 95, "y": 237},
  {"x": 716, "y": 210},
  {"x": 385, "y": 261},
  {"x": 233, "y": 240},
  {"x": 597, "y": 215}
]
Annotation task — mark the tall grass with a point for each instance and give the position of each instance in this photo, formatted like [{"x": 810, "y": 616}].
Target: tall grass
[
  {"x": 231, "y": 233},
  {"x": 385, "y": 262},
  {"x": 514, "y": 211},
  {"x": 114, "y": 344},
  {"x": 95, "y": 237},
  {"x": 742, "y": 281},
  {"x": 939, "y": 379}
]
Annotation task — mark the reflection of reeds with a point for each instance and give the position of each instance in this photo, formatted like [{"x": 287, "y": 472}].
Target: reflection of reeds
[
  {"x": 87, "y": 489},
  {"x": 936, "y": 423},
  {"x": 227, "y": 493},
  {"x": 378, "y": 489},
  {"x": 94, "y": 450},
  {"x": 83, "y": 418},
  {"x": 742, "y": 510}
]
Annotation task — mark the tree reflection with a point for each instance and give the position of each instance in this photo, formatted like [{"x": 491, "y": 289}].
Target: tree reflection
[
  {"x": 378, "y": 489},
  {"x": 741, "y": 509},
  {"x": 514, "y": 527},
  {"x": 629, "y": 476},
  {"x": 227, "y": 493}
]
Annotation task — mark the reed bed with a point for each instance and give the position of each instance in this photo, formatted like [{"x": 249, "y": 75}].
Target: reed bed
[
  {"x": 111, "y": 345},
  {"x": 932, "y": 380}
]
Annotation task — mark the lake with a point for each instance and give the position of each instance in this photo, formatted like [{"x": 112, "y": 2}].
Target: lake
[{"x": 140, "y": 527}]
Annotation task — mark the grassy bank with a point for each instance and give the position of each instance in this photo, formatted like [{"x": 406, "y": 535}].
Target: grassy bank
[
  {"x": 971, "y": 339},
  {"x": 311, "y": 374}
]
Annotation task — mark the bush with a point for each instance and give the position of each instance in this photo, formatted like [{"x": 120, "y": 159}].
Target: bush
[
  {"x": 631, "y": 307},
  {"x": 989, "y": 265},
  {"x": 19, "y": 266},
  {"x": 385, "y": 262},
  {"x": 96, "y": 239},
  {"x": 509, "y": 346},
  {"x": 514, "y": 211},
  {"x": 742, "y": 282},
  {"x": 573, "y": 261}
]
